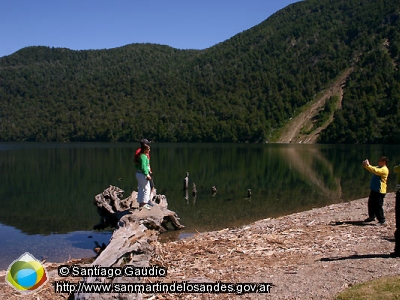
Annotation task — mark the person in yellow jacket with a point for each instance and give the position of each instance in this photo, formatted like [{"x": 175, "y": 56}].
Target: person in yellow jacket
[
  {"x": 396, "y": 252},
  {"x": 378, "y": 188}
]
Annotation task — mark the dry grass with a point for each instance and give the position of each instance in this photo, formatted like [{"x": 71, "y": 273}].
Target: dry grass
[{"x": 380, "y": 289}]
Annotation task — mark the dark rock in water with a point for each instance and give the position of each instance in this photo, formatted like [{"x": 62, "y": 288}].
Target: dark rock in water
[
  {"x": 213, "y": 190},
  {"x": 98, "y": 249}
]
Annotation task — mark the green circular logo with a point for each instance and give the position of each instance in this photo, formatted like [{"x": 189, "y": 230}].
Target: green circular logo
[{"x": 26, "y": 273}]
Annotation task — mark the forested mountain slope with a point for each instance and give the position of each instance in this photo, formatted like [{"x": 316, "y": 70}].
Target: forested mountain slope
[{"x": 243, "y": 89}]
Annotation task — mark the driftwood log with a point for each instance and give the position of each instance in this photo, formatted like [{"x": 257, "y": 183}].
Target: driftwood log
[{"x": 131, "y": 243}]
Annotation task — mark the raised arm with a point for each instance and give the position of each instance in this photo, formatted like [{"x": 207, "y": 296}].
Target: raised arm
[{"x": 376, "y": 170}]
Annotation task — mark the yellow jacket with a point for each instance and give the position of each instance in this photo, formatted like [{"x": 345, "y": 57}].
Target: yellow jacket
[{"x": 379, "y": 179}]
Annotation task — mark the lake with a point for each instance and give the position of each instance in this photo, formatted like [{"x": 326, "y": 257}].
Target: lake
[{"x": 47, "y": 189}]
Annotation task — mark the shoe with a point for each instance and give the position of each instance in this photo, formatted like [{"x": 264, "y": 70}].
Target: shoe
[
  {"x": 394, "y": 254},
  {"x": 369, "y": 220},
  {"x": 147, "y": 206},
  {"x": 381, "y": 224}
]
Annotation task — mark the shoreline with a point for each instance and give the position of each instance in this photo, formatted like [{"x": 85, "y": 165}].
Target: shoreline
[{"x": 311, "y": 254}]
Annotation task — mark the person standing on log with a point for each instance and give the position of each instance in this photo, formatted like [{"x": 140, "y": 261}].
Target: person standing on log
[
  {"x": 378, "y": 189},
  {"x": 396, "y": 252},
  {"x": 137, "y": 154},
  {"x": 143, "y": 176}
]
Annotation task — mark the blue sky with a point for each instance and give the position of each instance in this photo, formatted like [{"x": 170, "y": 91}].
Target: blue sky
[{"x": 99, "y": 24}]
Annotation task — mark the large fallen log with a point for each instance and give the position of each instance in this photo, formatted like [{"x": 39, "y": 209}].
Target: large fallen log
[{"x": 131, "y": 243}]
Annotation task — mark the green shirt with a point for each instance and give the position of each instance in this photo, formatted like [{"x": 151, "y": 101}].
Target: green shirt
[{"x": 144, "y": 164}]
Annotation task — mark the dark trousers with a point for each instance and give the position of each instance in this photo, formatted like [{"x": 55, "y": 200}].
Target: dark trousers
[
  {"x": 375, "y": 206},
  {"x": 151, "y": 183},
  {"x": 397, "y": 233}
]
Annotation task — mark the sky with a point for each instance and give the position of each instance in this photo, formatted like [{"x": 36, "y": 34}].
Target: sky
[{"x": 104, "y": 24}]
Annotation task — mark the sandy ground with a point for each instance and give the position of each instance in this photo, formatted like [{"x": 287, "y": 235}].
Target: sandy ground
[{"x": 308, "y": 255}]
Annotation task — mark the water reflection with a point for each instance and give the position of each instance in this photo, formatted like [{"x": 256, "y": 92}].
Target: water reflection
[
  {"x": 49, "y": 188},
  {"x": 312, "y": 166},
  {"x": 54, "y": 247}
]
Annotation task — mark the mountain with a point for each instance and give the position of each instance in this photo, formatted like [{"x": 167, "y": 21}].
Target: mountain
[{"x": 247, "y": 88}]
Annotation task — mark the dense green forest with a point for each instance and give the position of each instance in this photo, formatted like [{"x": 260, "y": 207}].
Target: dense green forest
[{"x": 243, "y": 89}]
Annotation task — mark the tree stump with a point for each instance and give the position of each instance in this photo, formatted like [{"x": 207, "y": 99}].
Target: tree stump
[
  {"x": 131, "y": 243},
  {"x": 186, "y": 181}
]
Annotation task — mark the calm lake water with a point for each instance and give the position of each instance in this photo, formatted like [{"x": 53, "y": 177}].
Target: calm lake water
[{"x": 47, "y": 190}]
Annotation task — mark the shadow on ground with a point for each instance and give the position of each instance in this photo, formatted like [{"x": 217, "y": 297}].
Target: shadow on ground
[
  {"x": 354, "y": 223},
  {"x": 363, "y": 256}
]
